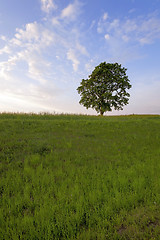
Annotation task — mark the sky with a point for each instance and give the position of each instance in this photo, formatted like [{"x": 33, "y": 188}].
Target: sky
[{"x": 48, "y": 46}]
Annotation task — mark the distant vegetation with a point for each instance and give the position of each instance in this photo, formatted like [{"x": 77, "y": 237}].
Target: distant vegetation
[{"x": 79, "y": 177}]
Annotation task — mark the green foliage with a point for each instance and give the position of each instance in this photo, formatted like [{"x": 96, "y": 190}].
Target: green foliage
[
  {"x": 79, "y": 177},
  {"x": 105, "y": 88}
]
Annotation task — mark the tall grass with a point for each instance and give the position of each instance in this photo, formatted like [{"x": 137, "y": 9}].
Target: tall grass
[{"x": 79, "y": 177}]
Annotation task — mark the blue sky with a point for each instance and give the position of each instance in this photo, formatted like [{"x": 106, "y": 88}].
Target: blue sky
[{"x": 48, "y": 46}]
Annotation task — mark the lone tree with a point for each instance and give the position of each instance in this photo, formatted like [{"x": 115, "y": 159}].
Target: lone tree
[{"x": 105, "y": 88}]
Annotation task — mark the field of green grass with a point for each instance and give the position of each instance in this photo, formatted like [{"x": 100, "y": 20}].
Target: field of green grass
[{"x": 79, "y": 177}]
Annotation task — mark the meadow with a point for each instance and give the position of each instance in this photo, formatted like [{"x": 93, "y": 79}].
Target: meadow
[{"x": 79, "y": 177}]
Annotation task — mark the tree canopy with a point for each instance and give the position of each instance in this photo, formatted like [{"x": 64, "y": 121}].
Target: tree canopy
[{"x": 105, "y": 88}]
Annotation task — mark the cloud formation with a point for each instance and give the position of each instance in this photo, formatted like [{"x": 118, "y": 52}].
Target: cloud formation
[
  {"x": 34, "y": 57},
  {"x": 71, "y": 11},
  {"x": 48, "y": 5},
  {"x": 27, "y": 46},
  {"x": 71, "y": 56},
  {"x": 143, "y": 30},
  {"x": 25, "y": 63}
]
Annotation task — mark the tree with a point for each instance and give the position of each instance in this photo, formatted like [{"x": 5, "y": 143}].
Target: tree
[{"x": 105, "y": 88}]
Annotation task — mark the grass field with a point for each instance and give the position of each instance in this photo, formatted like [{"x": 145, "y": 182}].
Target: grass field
[{"x": 79, "y": 177}]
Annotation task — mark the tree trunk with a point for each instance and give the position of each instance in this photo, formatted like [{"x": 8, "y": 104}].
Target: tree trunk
[{"x": 101, "y": 112}]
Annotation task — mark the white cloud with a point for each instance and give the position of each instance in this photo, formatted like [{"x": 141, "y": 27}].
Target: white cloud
[
  {"x": 71, "y": 11},
  {"x": 55, "y": 21},
  {"x": 48, "y": 5},
  {"x": 105, "y": 16},
  {"x": 102, "y": 22},
  {"x": 31, "y": 46},
  {"x": 33, "y": 37},
  {"x": 47, "y": 38},
  {"x": 93, "y": 23},
  {"x": 68, "y": 11},
  {"x": 107, "y": 37},
  {"x": 81, "y": 49},
  {"x": 71, "y": 56},
  {"x": 144, "y": 30},
  {"x": 69, "y": 42},
  {"x": 38, "y": 68},
  {"x": 115, "y": 24},
  {"x": 149, "y": 30},
  {"x": 8, "y": 66},
  {"x": 125, "y": 38},
  {"x": 26, "y": 48},
  {"x": 5, "y": 49},
  {"x": 29, "y": 34},
  {"x": 130, "y": 25},
  {"x": 3, "y": 38},
  {"x": 89, "y": 66},
  {"x": 16, "y": 82},
  {"x": 132, "y": 10}
]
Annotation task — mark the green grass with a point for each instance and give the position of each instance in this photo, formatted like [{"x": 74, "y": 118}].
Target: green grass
[{"x": 79, "y": 177}]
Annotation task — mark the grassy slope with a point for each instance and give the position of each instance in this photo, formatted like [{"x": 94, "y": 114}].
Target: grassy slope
[{"x": 79, "y": 177}]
